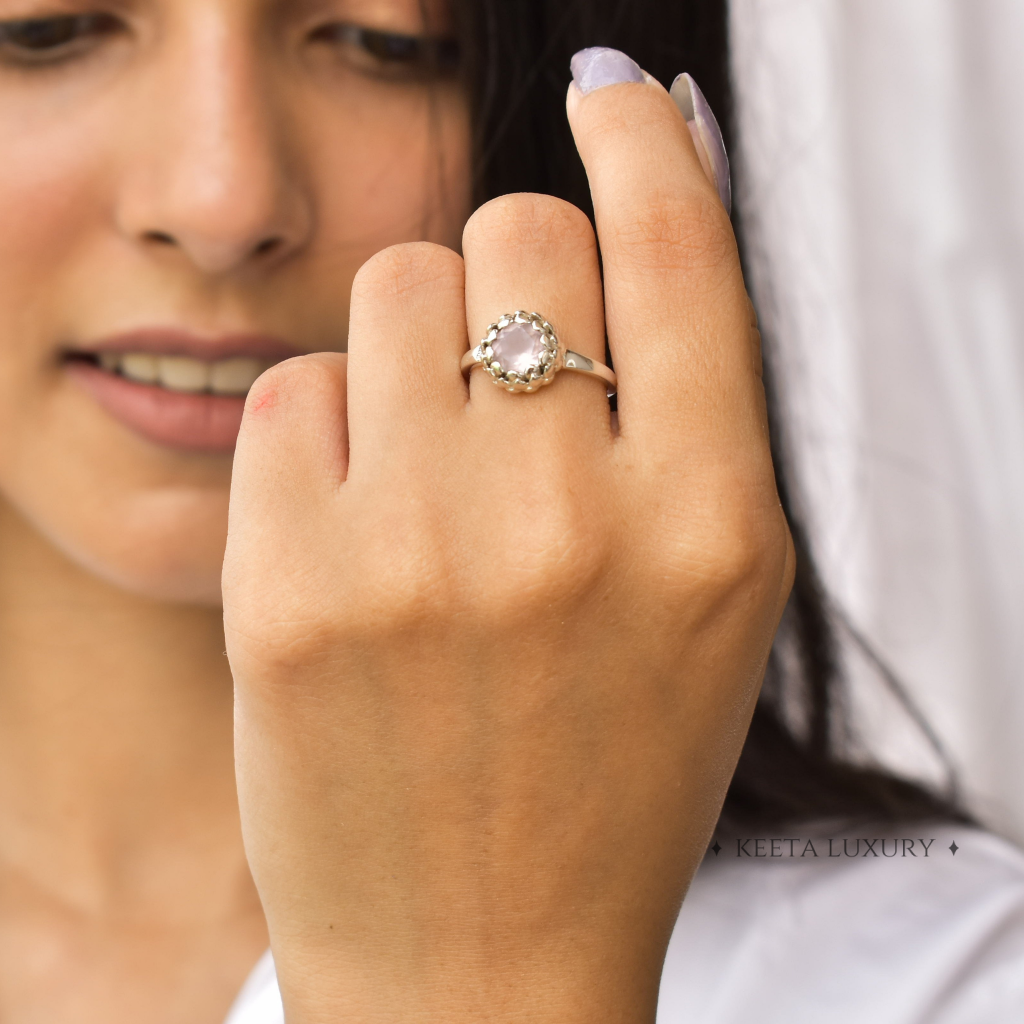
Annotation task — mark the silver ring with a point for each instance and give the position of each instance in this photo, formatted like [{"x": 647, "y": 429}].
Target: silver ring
[{"x": 521, "y": 352}]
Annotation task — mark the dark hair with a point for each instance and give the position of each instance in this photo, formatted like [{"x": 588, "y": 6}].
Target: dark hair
[{"x": 795, "y": 765}]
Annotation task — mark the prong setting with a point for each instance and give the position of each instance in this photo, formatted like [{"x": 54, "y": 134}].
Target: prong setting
[{"x": 539, "y": 370}]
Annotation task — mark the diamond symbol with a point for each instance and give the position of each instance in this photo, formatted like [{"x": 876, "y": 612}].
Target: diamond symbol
[
  {"x": 717, "y": 848},
  {"x": 953, "y": 847}
]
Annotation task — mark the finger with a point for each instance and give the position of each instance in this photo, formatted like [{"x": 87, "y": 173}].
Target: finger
[
  {"x": 292, "y": 449},
  {"x": 538, "y": 254},
  {"x": 675, "y": 303},
  {"x": 407, "y": 334}
]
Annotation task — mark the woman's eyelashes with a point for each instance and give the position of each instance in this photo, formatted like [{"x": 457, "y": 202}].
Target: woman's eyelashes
[
  {"x": 50, "y": 40},
  {"x": 55, "y": 38},
  {"x": 390, "y": 53}
]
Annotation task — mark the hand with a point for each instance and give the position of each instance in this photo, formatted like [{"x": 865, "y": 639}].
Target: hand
[{"x": 495, "y": 656}]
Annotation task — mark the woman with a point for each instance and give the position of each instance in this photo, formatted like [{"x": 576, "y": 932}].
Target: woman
[{"x": 495, "y": 654}]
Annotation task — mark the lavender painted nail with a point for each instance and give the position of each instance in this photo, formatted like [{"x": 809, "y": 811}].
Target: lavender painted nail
[
  {"x": 706, "y": 134},
  {"x": 599, "y": 65}
]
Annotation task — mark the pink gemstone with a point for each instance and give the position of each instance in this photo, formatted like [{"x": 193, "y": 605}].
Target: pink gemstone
[{"x": 517, "y": 348}]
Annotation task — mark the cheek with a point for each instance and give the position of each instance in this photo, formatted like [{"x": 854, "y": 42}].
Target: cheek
[
  {"x": 133, "y": 515},
  {"x": 52, "y": 207},
  {"x": 51, "y": 196},
  {"x": 407, "y": 178}
]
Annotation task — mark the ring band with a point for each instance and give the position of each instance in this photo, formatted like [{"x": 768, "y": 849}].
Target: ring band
[{"x": 521, "y": 352}]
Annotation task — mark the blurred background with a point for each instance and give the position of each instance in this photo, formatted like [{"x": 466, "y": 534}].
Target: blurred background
[{"x": 883, "y": 153}]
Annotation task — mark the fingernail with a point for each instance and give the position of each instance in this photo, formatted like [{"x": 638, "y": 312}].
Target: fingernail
[
  {"x": 598, "y": 66},
  {"x": 706, "y": 135}
]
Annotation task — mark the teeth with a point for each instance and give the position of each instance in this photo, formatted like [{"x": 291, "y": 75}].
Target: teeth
[
  {"x": 140, "y": 366},
  {"x": 235, "y": 376},
  {"x": 180, "y": 373}
]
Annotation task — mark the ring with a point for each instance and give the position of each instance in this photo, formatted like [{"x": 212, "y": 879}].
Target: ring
[{"x": 521, "y": 352}]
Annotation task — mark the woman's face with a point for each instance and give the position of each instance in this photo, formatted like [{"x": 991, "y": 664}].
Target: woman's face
[{"x": 187, "y": 188}]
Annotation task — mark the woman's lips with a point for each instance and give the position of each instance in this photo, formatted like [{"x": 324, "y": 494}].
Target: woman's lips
[
  {"x": 200, "y": 408},
  {"x": 193, "y": 422}
]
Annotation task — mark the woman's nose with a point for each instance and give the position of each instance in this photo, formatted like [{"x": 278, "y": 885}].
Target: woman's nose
[{"x": 208, "y": 169}]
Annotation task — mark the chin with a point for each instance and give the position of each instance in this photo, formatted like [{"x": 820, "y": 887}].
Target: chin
[
  {"x": 147, "y": 519},
  {"x": 174, "y": 558},
  {"x": 163, "y": 547}
]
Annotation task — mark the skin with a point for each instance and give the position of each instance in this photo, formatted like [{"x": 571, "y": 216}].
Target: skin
[
  {"x": 124, "y": 889},
  {"x": 494, "y": 655}
]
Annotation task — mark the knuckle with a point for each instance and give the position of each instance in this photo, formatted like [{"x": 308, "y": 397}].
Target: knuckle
[
  {"x": 672, "y": 233},
  {"x": 413, "y": 593},
  {"x": 529, "y": 220},
  {"x": 320, "y": 374},
  {"x": 310, "y": 626},
  {"x": 740, "y": 553},
  {"x": 407, "y": 270},
  {"x": 403, "y": 572},
  {"x": 727, "y": 543},
  {"x": 283, "y": 630},
  {"x": 286, "y": 649},
  {"x": 547, "y": 563},
  {"x": 738, "y": 556}
]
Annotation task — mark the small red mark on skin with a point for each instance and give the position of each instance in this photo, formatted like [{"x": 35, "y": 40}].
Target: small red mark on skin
[{"x": 266, "y": 399}]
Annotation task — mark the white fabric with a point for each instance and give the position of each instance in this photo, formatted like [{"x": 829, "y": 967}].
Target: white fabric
[
  {"x": 882, "y": 173},
  {"x": 259, "y": 1002},
  {"x": 902, "y": 939}
]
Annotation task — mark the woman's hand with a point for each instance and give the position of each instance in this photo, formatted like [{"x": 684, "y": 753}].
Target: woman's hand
[{"x": 495, "y": 657}]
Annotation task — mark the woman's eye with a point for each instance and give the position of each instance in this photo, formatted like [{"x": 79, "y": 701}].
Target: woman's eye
[
  {"x": 391, "y": 52},
  {"x": 38, "y": 40}
]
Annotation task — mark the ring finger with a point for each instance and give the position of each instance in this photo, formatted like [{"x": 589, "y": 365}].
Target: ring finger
[{"x": 538, "y": 254}]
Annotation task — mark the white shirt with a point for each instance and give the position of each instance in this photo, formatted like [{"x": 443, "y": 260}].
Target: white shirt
[{"x": 902, "y": 932}]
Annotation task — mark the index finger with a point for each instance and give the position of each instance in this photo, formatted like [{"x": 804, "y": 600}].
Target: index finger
[{"x": 677, "y": 312}]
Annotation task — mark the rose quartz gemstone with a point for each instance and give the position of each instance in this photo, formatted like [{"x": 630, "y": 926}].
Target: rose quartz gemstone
[{"x": 517, "y": 348}]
